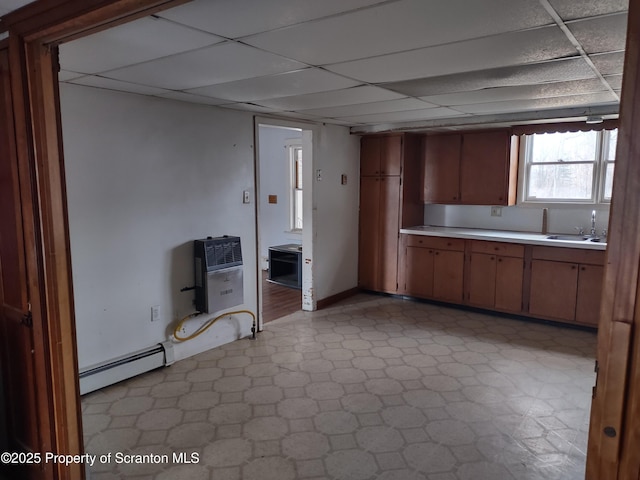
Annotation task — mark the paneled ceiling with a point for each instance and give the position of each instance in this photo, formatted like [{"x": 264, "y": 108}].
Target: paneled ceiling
[{"x": 369, "y": 64}]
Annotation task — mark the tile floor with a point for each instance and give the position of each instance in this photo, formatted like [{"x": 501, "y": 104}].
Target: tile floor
[{"x": 374, "y": 388}]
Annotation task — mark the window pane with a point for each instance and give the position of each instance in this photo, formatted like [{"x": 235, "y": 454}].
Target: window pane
[
  {"x": 561, "y": 182},
  {"x": 564, "y": 147},
  {"x": 298, "y": 163},
  {"x": 297, "y": 210},
  {"x": 613, "y": 142},
  {"x": 608, "y": 181}
]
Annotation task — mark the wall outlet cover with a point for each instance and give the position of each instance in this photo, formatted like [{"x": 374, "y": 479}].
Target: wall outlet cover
[
  {"x": 496, "y": 211},
  {"x": 155, "y": 313}
]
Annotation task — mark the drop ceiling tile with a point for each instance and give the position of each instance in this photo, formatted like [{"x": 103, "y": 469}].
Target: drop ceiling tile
[
  {"x": 601, "y": 34},
  {"x": 248, "y": 107},
  {"x": 515, "y": 48},
  {"x": 223, "y": 17},
  {"x": 217, "y": 64},
  {"x": 131, "y": 43},
  {"x": 309, "y": 80},
  {"x": 608, "y": 63},
  {"x": 546, "y": 72},
  {"x": 615, "y": 81},
  {"x": 539, "y": 104},
  {"x": 407, "y": 116},
  {"x": 348, "y": 96},
  {"x": 110, "y": 84},
  {"x": 188, "y": 97},
  {"x": 398, "y": 26},
  {"x": 571, "y": 10},
  {"x": 66, "y": 75},
  {"x": 10, "y": 5},
  {"x": 520, "y": 92},
  {"x": 371, "y": 108}
]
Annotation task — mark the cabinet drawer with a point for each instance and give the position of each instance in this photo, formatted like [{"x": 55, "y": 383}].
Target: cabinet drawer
[
  {"x": 440, "y": 243},
  {"x": 573, "y": 255},
  {"x": 498, "y": 248}
]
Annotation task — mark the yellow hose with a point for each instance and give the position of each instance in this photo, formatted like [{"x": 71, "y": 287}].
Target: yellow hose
[{"x": 205, "y": 326}]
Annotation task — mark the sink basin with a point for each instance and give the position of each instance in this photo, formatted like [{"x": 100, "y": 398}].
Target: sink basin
[{"x": 573, "y": 238}]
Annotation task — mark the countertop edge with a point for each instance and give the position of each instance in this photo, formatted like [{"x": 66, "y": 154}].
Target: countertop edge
[{"x": 501, "y": 236}]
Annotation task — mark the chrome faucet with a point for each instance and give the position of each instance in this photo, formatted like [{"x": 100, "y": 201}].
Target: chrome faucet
[{"x": 593, "y": 224}]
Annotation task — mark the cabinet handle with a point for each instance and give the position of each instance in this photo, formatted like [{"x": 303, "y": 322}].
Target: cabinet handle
[
  {"x": 496, "y": 248},
  {"x": 455, "y": 198},
  {"x": 430, "y": 251},
  {"x": 499, "y": 259},
  {"x": 437, "y": 253},
  {"x": 492, "y": 258},
  {"x": 382, "y": 172},
  {"x": 583, "y": 268},
  {"x": 448, "y": 244},
  {"x": 573, "y": 267}
]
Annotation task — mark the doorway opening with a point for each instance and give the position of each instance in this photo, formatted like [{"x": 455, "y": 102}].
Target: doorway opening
[{"x": 284, "y": 217}]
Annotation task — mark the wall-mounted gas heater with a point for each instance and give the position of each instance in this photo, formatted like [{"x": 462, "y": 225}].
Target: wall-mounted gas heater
[{"x": 218, "y": 269}]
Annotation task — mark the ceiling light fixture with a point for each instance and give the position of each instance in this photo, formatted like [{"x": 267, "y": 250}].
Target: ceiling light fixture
[{"x": 592, "y": 119}]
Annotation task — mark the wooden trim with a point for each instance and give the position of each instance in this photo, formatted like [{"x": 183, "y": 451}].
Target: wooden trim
[
  {"x": 325, "y": 302},
  {"x": 564, "y": 127},
  {"x": 619, "y": 298},
  {"x": 51, "y": 21}
]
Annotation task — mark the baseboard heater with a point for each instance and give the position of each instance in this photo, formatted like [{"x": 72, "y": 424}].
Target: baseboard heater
[{"x": 114, "y": 371}]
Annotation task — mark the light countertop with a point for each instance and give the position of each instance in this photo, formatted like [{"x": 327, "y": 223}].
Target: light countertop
[{"x": 529, "y": 238}]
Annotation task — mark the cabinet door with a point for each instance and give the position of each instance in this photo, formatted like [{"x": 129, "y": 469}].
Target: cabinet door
[
  {"x": 448, "y": 268},
  {"x": 482, "y": 276},
  {"x": 553, "y": 289},
  {"x": 369, "y": 239},
  {"x": 589, "y": 293},
  {"x": 389, "y": 232},
  {"x": 509, "y": 276},
  {"x": 441, "y": 169},
  {"x": 370, "y": 148},
  {"x": 390, "y": 155},
  {"x": 484, "y": 168},
  {"x": 419, "y": 272}
]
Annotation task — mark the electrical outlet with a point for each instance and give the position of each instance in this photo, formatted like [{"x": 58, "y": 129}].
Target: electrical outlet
[
  {"x": 496, "y": 211},
  {"x": 155, "y": 313}
]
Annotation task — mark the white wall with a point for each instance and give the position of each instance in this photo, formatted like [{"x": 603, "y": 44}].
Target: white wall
[
  {"x": 275, "y": 180},
  {"x": 336, "y": 152},
  {"x": 561, "y": 219},
  {"x": 145, "y": 177}
]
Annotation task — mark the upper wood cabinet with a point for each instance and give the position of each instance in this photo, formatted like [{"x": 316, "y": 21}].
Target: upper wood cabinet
[
  {"x": 473, "y": 168},
  {"x": 381, "y": 155}
]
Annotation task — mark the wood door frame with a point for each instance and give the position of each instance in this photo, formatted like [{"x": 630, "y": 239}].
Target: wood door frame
[
  {"x": 36, "y": 27},
  {"x": 614, "y": 433}
]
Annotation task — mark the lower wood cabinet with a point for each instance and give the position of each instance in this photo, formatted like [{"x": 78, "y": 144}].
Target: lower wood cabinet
[
  {"x": 555, "y": 283},
  {"x": 434, "y": 268},
  {"x": 566, "y": 284},
  {"x": 495, "y": 274}
]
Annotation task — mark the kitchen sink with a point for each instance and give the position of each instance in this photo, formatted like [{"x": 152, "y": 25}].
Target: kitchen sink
[{"x": 574, "y": 238}]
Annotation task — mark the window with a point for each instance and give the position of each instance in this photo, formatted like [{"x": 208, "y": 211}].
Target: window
[
  {"x": 570, "y": 166},
  {"x": 295, "y": 161}
]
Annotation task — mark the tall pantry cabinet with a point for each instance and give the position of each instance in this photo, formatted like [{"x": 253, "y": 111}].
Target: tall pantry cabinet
[{"x": 390, "y": 189}]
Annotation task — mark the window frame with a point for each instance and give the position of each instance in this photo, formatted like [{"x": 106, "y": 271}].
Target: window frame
[
  {"x": 598, "y": 180},
  {"x": 295, "y": 184}
]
